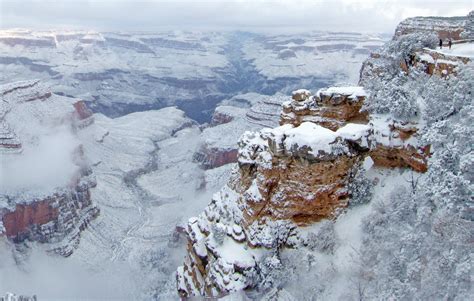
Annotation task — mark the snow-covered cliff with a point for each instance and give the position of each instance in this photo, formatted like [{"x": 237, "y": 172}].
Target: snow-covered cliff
[
  {"x": 352, "y": 196},
  {"x": 45, "y": 178},
  {"x": 118, "y": 73}
]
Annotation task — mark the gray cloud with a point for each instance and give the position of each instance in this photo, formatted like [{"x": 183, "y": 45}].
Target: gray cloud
[{"x": 355, "y": 15}]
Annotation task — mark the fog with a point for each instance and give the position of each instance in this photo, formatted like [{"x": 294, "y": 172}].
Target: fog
[
  {"x": 53, "y": 278},
  {"x": 46, "y": 163},
  {"x": 252, "y": 15},
  {"x": 145, "y": 267}
]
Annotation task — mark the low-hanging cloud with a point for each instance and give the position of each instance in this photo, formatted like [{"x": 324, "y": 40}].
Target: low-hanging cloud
[
  {"x": 353, "y": 15},
  {"x": 42, "y": 166},
  {"x": 53, "y": 278}
]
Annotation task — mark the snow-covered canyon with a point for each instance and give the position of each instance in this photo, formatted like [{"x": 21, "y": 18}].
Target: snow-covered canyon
[{"x": 197, "y": 149}]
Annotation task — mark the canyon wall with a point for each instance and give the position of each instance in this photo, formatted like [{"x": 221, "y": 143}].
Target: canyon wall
[
  {"x": 294, "y": 176},
  {"x": 29, "y": 116},
  {"x": 289, "y": 177}
]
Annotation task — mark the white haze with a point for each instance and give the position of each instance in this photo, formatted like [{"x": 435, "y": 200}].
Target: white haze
[
  {"x": 53, "y": 278},
  {"x": 45, "y": 163},
  {"x": 250, "y": 15},
  {"x": 50, "y": 277}
]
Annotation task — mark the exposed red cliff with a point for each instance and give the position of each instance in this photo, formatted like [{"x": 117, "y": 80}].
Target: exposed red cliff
[
  {"x": 59, "y": 214},
  {"x": 24, "y": 217},
  {"x": 220, "y": 118},
  {"x": 215, "y": 157}
]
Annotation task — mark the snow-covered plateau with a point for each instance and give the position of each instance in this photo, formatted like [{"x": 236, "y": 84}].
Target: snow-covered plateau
[{"x": 117, "y": 73}]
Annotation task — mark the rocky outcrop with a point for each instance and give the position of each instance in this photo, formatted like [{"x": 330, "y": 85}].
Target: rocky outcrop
[
  {"x": 82, "y": 111},
  {"x": 58, "y": 213},
  {"x": 303, "y": 171},
  {"x": 220, "y": 118},
  {"x": 436, "y": 63},
  {"x": 57, "y": 219},
  {"x": 445, "y": 28},
  {"x": 83, "y": 116},
  {"x": 20, "y": 221},
  {"x": 9, "y": 141},
  {"x": 287, "y": 178},
  {"x": 291, "y": 174},
  {"x": 331, "y": 108},
  {"x": 266, "y": 111},
  {"x": 395, "y": 145},
  {"x": 214, "y": 157},
  {"x": 314, "y": 158}
]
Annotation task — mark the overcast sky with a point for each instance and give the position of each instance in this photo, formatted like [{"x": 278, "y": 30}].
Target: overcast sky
[{"x": 256, "y": 15}]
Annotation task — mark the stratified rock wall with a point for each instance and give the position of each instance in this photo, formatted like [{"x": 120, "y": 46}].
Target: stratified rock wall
[
  {"x": 47, "y": 215},
  {"x": 214, "y": 157},
  {"x": 289, "y": 177},
  {"x": 331, "y": 108},
  {"x": 445, "y": 28},
  {"x": 301, "y": 172}
]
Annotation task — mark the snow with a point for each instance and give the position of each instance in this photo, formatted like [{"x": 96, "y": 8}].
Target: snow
[
  {"x": 224, "y": 136},
  {"x": 138, "y": 70},
  {"x": 301, "y": 91},
  {"x": 368, "y": 163},
  {"x": 352, "y": 91},
  {"x": 461, "y": 50},
  {"x": 139, "y": 217},
  {"x": 138, "y": 214},
  {"x": 349, "y": 234},
  {"x": 253, "y": 192},
  {"x": 441, "y": 61},
  {"x": 383, "y": 134},
  {"x": 354, "y": 131},
  {"x": 236, "y": 253},
  {"x": 44, "y": 127},
  {"x": 424, "y": 57},
  {"x": 308, "y": 134},
  {"x": 313, "y": 136},
  {"x": 311, "y": 60}
]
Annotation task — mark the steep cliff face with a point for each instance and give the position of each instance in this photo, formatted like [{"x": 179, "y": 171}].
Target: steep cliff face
[
  {"x": 445, "y": 28},
  {"x": 232, "y": 119},
  {"x": 46, "y": 181},
  {"x": 214, "y": 157},
  {"x": 57, "y": 219},
  {"x": 330, "y": 108},
  {"x": 291, "y": 178}
]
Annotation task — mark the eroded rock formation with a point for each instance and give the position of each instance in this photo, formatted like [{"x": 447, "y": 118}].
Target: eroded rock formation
[
  {"x": 303, "y": 171},
  {"x": 445, "y": 28},
  {"x": 440, "y": 64},
  {"x": 331, "y": 108},
  {"x": 220, "y": 117},
  {"x": 57, "y": 219},
  {"x": 211, "y": 157},
  {"x": 287, "y": 178},
  {"x": 30, "y": 211}
]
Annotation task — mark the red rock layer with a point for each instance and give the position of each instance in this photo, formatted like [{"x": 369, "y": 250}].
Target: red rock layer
[
  {"x": 220, "y": 118},
  {"x": 24, "y": 217},
  {"x": 331, "y": 112},
  {"x": 214, "y": 157},
  {"x": 82, "y": 111}
]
